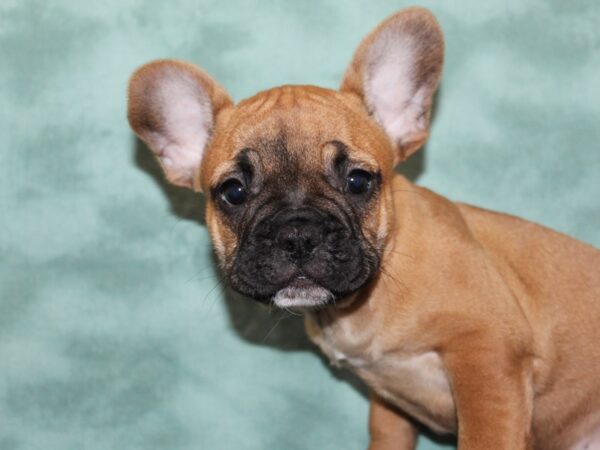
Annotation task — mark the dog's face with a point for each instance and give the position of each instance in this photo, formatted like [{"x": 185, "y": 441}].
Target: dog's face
[
  {"x": 296, "y": 207},
  {"x": 297, "y": 178}
]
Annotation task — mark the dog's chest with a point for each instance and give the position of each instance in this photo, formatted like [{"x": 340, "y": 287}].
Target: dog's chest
[{"x": 414, "y": 382}]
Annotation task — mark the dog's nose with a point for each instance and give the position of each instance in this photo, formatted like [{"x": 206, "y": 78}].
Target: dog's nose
[{"x": 299, "y": 237}]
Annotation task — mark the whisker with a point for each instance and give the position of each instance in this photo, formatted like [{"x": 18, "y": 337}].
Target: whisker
[
  {"x": 218, "y": 283},
  {"x": 206, "y": 268},
  {"x": 198, "y": 278},
  {"x": 274, "y": 326},
  {"x": 401, "y": 286},
  {"x": 396, "y": 252},
  {"x": 292, "y": 312}
]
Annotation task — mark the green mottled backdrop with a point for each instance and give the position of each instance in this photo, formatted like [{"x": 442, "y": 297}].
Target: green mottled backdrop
[{"x": 114, "y": 330}]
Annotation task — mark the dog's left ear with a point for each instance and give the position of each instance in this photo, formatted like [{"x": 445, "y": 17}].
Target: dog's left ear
[{"x": 395, "y": 72}]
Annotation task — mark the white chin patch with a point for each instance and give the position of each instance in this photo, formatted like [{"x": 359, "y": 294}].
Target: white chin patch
[{"x": 302, "y": 297}]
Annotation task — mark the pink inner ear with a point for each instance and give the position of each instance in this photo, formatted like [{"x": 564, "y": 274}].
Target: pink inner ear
[
  {"x": 186, "y": 126},
  {"x": 391, "y": 92}
]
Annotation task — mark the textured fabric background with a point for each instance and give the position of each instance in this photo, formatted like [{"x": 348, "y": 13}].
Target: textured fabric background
[{"x": 114, "y": 330}]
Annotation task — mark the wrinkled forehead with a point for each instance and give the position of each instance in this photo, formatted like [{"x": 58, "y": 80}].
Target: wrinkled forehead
[
  {"x": 305, "y": 114},
  {"x": 297, "y": 128}
]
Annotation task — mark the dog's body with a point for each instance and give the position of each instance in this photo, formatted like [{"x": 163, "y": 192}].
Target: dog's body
[
  {"x": 468, "y": 321},
  {"x": 491, "y": 289}
]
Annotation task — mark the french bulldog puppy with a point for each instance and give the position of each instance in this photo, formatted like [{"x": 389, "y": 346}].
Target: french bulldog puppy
[{"x": 470, "y": 322}]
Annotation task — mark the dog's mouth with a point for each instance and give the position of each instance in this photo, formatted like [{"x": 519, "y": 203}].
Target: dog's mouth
[{"x": 302, "y": 293}]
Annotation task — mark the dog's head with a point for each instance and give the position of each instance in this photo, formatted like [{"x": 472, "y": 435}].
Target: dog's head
[{"x": 297, "y": 178}]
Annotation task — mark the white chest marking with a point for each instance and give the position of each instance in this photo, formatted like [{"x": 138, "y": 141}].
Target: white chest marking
[
  {"x": 418, "y": 384},
  {"x": 415, "y": 382}
]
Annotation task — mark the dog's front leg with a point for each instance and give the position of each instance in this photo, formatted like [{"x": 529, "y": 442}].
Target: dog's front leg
[
  {"x": 492, "y": 391},
  {"x": 389, "y": 429}
]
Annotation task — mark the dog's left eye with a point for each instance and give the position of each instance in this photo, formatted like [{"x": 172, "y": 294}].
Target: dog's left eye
[
  {"x": 358, "y": 181},
  {"x": 234, "y": 192}
]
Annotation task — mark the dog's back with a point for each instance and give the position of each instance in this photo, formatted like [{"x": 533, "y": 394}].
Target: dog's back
[{"x": 556, "y": 280}]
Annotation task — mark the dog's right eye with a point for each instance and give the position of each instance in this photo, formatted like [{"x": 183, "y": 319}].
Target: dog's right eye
[{"x": 234, "y": 192}]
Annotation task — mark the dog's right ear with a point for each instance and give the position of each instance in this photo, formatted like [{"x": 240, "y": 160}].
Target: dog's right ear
[{"x": 173, "y": 107}]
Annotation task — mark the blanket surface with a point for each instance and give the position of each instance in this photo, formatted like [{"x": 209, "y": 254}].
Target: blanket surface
[{"x": 116, "y": 332}]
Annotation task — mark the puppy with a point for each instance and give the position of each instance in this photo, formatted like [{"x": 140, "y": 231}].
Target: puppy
[{"x": 468, "y": 321}]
